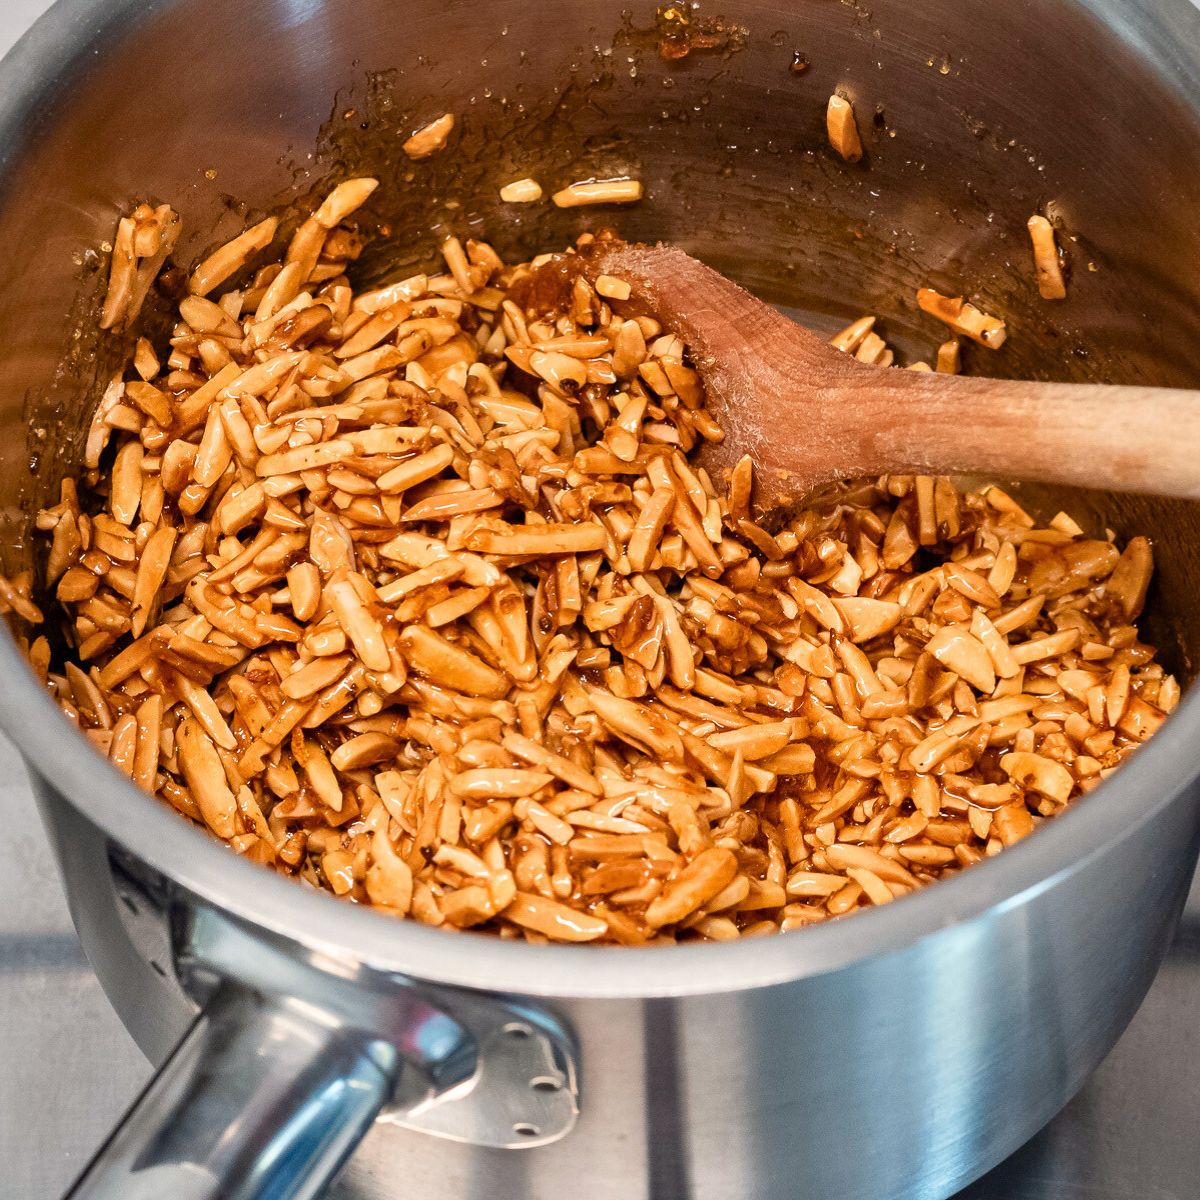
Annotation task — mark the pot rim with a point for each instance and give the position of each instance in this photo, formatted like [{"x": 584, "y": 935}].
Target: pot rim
[{"x": 209, "y": 871}]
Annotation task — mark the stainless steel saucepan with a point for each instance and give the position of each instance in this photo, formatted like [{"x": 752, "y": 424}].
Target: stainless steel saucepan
[{"x": 897, "y": 1054}]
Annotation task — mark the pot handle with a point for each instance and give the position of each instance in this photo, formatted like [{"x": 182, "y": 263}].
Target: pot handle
[
  {"x": 290, "y": 1062},
  {"x": 263, "y": 1099}
]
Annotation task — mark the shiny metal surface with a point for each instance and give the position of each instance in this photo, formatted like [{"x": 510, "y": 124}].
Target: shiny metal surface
[
  {"x": 472, "y": 1067},
  {"x": 260, "y": 1098},
  {"x": 292, "y": 1058},
  {"x": 767, "y": 1069}
]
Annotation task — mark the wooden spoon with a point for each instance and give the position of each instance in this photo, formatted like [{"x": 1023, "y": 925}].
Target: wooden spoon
[{"x": 808, "y": 414}]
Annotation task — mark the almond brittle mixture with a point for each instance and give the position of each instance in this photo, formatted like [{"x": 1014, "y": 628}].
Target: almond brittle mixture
[{"x": 416, "y": 594}]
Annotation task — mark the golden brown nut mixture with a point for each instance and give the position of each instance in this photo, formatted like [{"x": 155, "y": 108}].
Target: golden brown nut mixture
[{"x": 416, "y": 594}]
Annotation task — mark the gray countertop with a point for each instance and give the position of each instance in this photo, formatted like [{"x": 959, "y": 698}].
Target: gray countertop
[{"x": 68, "y": 1068}]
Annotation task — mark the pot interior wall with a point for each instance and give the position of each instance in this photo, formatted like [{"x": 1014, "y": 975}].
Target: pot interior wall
[{"x": 974, "y": 116}]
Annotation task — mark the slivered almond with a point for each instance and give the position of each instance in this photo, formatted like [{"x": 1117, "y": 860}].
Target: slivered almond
[
  {"x": 554, "y": 920},
  {"x": 706, "y": 875},
  {"x": 363, "y": 630},
  {"x": 549, "y": 539},
  {"x": 205, "y": 777},
  {"x": 416, "y": 470},
  {"x": 430, "y": 138},
  {"x": 866, "y": 618},
  {"x": 965, "y": 655},
  {"x": 450, "y": 665},
  {"x": 496, "y": 783},
  {"x": 1040, "y": 774}
]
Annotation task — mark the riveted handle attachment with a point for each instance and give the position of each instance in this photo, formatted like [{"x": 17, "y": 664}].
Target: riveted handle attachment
[{"x": 295, "y": 1055}]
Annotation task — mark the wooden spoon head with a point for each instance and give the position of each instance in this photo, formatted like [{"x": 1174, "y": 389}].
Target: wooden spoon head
[{"x": 768, "y": 382}]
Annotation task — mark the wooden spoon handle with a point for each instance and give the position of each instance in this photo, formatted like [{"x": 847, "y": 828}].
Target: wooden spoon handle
[{"x": 1129, "y": 439}]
